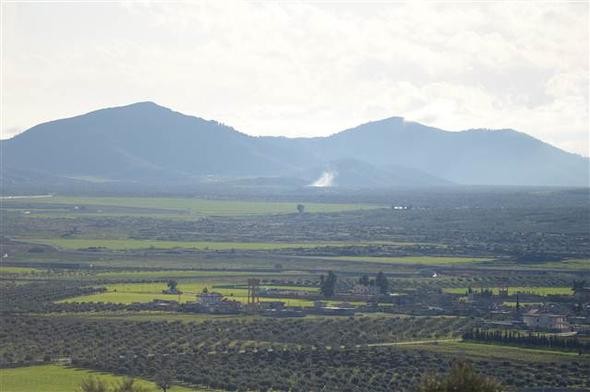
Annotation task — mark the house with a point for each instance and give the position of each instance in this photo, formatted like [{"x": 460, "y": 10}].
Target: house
[
  {"x": 535, "y": 319},
  {"x": 337, "y": 311},
  {"x": 209, "y": 299},
  {"x": 359, "y": 289},
  {"x": 272, "y": 305},
  {"x": 225, "y": 307},
  {"x": 213, "y": 303}
]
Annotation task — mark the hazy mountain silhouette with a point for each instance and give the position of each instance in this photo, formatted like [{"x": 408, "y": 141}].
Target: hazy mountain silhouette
[{"x": 144, "y": 142}]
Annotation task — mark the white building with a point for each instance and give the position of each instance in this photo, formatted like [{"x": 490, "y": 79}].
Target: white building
[{"x": 545, "y": 321}]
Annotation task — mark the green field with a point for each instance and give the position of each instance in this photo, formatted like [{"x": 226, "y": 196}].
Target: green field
[
  {"x": 127, "y": 293},
  {"x": 17, "y": 270},
  {"x": 571, "y": 264},
  {"x": 495, "y": 351},
  {"x": 201, "y": 245},
  {"x": 512, "y": 304},
  {"x": 180, "y": 274},
  {"x": 418, "y": 260},
  {"x": 54, "y": 378},
  {"x": 193, "y": 206},
  {"x": 535, "y": 290}
]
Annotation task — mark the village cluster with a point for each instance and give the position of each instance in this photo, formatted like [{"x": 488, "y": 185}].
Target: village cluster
[{"x": 503, "y": 308}]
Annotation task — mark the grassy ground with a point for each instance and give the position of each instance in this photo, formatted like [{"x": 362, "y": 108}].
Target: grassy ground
[
  {"x": 512, "y": 304},
  {"x": 479, "y": 350},
  {"x": 419, "y": 260},
  {"x": 193, "y": 206},
  {"x": 127, "y": 293},
  {"x": 178, "y": 274},
  {"x": 537, "y": 290},
  {"x": 16, "y": 270},
  {"x": 204, "y": 245},
  {"x": 571, "y": 264},
  {"x": 54, "y": 378}
]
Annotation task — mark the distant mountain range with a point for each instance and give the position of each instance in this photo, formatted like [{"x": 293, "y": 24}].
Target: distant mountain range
[{"x": 147, "y": 143}]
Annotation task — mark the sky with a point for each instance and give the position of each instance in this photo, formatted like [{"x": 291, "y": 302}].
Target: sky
[{"x": 297, "y": 68}]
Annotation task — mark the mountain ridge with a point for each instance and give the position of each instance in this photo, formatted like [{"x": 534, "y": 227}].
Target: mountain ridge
[{"x": 145, "y": 141}]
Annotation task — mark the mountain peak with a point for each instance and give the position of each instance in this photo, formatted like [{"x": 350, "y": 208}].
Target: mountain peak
[{"x": 142, "y": 105}]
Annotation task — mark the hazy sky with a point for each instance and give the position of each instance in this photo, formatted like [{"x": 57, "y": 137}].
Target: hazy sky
[{"x": 304, "y": 68}]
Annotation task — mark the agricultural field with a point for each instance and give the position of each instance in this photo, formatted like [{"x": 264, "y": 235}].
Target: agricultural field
[
  {"x": 56, "y": 378},
  {"x": 129, "y": 244},
  {"x": 425, "y": 260},
  {"x": 570, "y": 264},
  {"x": 391, "y": 352},
  {"x": 541, "y": 291},
  {"x": 66, "y": 250},
  {"x": 501, "y": 352},
  {"x": 191, "y": 207},
  {"x": 17, "y": 270},
  {"x": 147, "y": 292},
  {"x": 172, "y": 274},
  {"x": 512, "y": 304}
]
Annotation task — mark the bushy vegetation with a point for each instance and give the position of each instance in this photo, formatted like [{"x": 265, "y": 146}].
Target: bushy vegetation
[{"x": 462, "y": 377}]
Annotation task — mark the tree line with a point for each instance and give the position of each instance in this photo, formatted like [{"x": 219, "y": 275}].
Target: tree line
[{"x": 528, "y": 339}]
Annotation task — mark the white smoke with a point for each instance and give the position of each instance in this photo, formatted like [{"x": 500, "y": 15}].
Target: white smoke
[{"x": 325, "y": 180}]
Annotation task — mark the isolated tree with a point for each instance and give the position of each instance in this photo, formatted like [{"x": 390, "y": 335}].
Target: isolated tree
[
  {"x": 364, "y": 280},
  {"x": 578, "y": 285},
  {"x": 300, "y": 208},
  {"x": 172, "y": 284},
  {"x": 163, "y": 379},
  {"x": 382, "y": 283},
  {"x": 328, "y": 285},
  {"x": 461, "y": 378}
]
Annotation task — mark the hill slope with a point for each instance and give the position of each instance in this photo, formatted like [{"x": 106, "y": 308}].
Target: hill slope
[{"x": 482, "y": 157}]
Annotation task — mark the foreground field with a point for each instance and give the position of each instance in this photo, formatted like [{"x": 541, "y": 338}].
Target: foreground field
[
  {"x": 246, "y": 353},
  {"x": 54, "y": 378}
]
